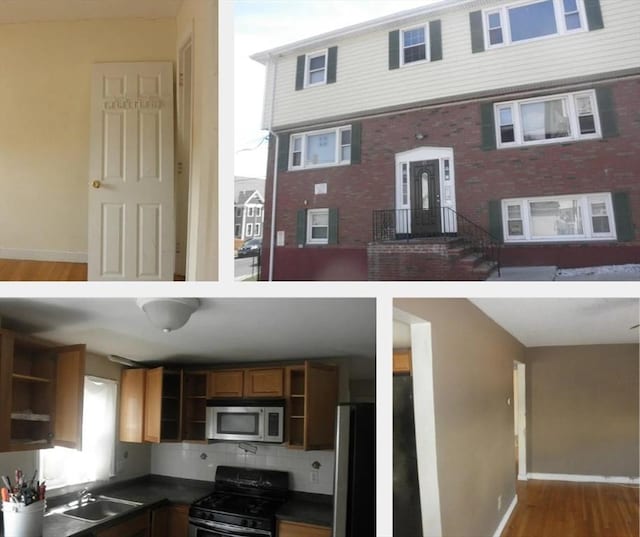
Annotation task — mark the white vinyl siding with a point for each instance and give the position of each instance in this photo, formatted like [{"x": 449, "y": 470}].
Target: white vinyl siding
[
  {"x": 579, "y": 217},
  {"x": 366, "y": 83}
]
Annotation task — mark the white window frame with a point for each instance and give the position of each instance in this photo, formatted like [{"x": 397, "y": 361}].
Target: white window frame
[
  {"x": 310, "y": 240},
  {"x": 250, "y": 211},
  {"x": 307, "y": 68},
  {"x": 257, "y": 232},
  {"x": 427, "y": 45},
  {"x": 585, "y": 201},
  {"x": 303, "y": 153},
  {"x": 239, "y": 211},
  {"x": 558, "y": 9},
  {"x": 249, "y": 230},
  {"x": 258, "y": 212},
  {"x": 574, "y": 125}
]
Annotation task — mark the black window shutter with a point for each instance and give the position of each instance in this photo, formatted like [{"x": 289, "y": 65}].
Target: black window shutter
[
  {"x": 622, "y": 214},
  {"x": 477, "y": 31},
  {"x": 608, "y": 118},
  {"x": 394, "y": 49},
  {"x": 332, "y": 65},
  {"x": 300, "y": 72},
  {"x": 356, "y": 142},
  {"x": 283, "y": 152},
  {"x": 435, "y": 40},
  {"x": 495, "y": 220},
  {"x": 594, "y": 14},
  {"x": 301, "y": 227},
  {"x": 333, "y": 226},
  {"x": 488, "y": 127}
]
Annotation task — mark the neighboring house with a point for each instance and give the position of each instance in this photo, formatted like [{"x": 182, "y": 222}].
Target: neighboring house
[
  {"x": 509, "y": 125},
  {"x": 248, "y": 208}
]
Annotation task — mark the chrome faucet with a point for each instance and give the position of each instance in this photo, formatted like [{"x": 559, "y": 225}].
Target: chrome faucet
[{"x": 84, "y": 495}]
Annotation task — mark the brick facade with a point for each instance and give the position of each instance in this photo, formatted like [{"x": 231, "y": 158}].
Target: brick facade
[{"x": 606, "y": 165}]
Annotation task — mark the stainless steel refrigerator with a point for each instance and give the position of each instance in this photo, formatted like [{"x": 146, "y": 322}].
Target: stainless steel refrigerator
[{"x": 354, "y": 500}]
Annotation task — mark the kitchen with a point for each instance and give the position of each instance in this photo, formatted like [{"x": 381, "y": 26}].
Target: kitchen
[{"x": 226, "y": 426}]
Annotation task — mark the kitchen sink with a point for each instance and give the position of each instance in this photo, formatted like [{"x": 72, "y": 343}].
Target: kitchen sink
[{"x": 100, "y": 508}]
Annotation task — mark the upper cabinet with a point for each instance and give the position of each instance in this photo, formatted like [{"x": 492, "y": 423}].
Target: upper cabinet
[
  {"x": 194, "y": 405},
  {"x": 401, "y": 361},
  {"x": 264, "y": 382},
  {"x": 226, "y": 383},
  {"x": 41, "y": 390}
]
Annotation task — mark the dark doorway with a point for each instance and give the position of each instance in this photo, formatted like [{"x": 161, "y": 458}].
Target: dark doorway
[{"x": 425, "y": 198}]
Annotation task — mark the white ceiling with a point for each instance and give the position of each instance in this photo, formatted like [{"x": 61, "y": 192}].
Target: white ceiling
[
  {"x": 221, "y": 330},
  {"x": 12, "y": 11},
  {"x": 540, "y": 322}
]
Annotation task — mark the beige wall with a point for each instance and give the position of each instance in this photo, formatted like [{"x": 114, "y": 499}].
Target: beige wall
[
  {"x": 138, "y": 456},
  {"x": 45, "y": 90},
  {"x": 582, "y": 410},
  {"x": 200, "y": 19},
  {"x": 472, "y": 377}
]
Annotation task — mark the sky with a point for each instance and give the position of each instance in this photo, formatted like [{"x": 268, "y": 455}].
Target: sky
[{"x": 264, "y": 24}]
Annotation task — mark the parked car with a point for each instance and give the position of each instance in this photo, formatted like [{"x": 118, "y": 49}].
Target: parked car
[{"x": 250, "y": 248}]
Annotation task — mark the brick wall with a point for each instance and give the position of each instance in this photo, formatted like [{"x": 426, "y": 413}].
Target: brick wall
[{"x": 566, "y": 168}]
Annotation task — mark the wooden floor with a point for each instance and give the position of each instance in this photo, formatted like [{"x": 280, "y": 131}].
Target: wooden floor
[
  {"x": 15, "y": 270},
  {"x": 559, "y": 509}
]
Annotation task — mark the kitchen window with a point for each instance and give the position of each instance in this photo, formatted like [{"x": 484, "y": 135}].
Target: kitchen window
[
  {"x": 414, "y": 45},
  {"x": 526, "y": 21},
  {"x": 318, "y": 226},
  {"x": 316, "y": 69},
  {"x": 548, "y": 119},
  {"x": 95, "y": 462},
  {"x": 329, "y": 147},
  {"x": 559, "y": 218}
]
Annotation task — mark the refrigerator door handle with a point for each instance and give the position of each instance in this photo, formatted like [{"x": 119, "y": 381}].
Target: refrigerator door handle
[{"x": 341, "y": 481}]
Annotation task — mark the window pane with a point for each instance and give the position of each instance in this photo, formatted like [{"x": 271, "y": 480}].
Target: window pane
[
  {"x": 319, "y": 233},
  {"x": 570, "y": 5},
  {"x": 494, "y": 20},
  {"x": 297, "y": 157},
  {"x": 345, "y": 153},
  {"x": 587, "y": 124},
  {"x": 316, "y": 77},
  {"x": 573, "y": 21},
  {"x": 413, "y": 37},
  {"x": 515, "y": 227},
  {"x": 599, "y": 218},
  {"x": 513, "y": 212},
  {"x": 319, "y": 219},
  {"x": 532, "y": 20},
  {"x": 316, "y": 63},
  {"x": 506, "y": 117},
  {"x": 321, "y": 148},
  {"x": 583, "y": 104},
  {"x": 415, "y": 54},
  {"x": 507, "y": 134},
  {"x": 345, "y": 137},
  {"x": 297, "y": 144},
  {"x": 495, "y": 36},
  {"x": 555, "y": 218},
  {"x": 545, "y": 120}
]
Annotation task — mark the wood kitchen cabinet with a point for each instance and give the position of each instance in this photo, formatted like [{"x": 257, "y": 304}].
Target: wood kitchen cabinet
[
  {"x": 264, "y": 382},
  {"x": 226, "y": 383},
  {"x": 401, "y": 361},
  {"x": 137, "y": 526},
  {"x": 311, "y": 390},
  {"x": 170, "y": 521},
  {"x": 132, "y": 383},
  {"x": 194, "y": 405},
  {"x": 298, "y": 529},
  {"x": 41, "y": 391}
]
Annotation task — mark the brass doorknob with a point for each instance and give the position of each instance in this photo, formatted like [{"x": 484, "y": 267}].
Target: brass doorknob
[{"x": 96, "y": 184}]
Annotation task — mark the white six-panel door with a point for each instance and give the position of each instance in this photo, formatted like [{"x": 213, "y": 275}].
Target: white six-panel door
[{"x": 131, "y": 191}]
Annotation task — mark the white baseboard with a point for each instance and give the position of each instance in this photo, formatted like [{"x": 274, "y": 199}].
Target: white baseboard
[
  {"x": 585, "y": 478},
  {"x": 523, "y": 477},
  {"x": 43, "y": 255},
  {"x": 505, "y": 518}
]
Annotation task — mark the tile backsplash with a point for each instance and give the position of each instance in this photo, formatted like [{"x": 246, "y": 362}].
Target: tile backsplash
[{"x": 199, "y": 461}]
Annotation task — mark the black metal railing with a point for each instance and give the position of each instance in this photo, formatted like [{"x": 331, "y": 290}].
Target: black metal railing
[{"x": 407, "y": 224}]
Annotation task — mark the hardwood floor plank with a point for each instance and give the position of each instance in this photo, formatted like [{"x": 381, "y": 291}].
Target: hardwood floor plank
[{"x": 560, "y": 509}]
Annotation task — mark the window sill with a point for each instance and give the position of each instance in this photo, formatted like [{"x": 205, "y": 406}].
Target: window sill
[
  {"x": 319, "y": 167},
  {"x": 563, "y": 141},
  {"x": 550, "y": 242}
]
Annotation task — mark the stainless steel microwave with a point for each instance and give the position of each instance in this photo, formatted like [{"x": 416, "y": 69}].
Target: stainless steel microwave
[{"x": 246, "y": 420}]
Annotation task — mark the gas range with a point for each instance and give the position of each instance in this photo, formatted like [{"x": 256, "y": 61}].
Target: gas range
[{"x": 243, "y": 504}]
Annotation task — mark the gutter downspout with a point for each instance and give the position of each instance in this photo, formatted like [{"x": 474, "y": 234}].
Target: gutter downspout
[{"x": 275, "y": 173}]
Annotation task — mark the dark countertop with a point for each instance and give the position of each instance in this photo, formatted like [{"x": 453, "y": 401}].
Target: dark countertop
[
  {"x": 308, "y": 508},
  {"x": 150, "y": 491}
]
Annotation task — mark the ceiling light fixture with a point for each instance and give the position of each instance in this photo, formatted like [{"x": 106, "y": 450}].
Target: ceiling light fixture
[{"x": 168, "y": 314}]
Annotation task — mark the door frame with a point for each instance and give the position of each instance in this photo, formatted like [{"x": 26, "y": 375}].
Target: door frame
[
  {"x": 521, "y": 410},
  {"x": 403, "y": 162}
]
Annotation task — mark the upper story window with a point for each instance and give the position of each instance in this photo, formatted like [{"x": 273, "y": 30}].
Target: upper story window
[
  {"x": 530, "y": 20},
  {"x": 250, "y": 211},
  {"x": 414, "y": 45},
  {"x": 548, "y": 119},
  {"x": 328, "y": 147},
  {"x": 316, "y": 69}
]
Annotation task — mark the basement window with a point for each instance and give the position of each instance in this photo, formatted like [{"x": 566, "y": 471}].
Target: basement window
[{"x": 95, "y": 462}]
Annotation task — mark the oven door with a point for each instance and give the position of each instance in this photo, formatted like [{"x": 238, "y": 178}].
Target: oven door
[
  {"x": 235, "y": 423},
  {"x": 207, "y": 528}
]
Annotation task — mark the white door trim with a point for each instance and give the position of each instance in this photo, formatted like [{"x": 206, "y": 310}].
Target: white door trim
[
  {"x": 447, "y": 181},
  {"x": 522, "y": 420}
]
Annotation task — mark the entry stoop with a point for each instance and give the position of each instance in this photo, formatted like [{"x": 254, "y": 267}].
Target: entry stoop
[{"x": 427, "y": 259}]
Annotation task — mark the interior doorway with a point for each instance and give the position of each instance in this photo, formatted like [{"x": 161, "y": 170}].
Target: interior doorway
[
  {"x": 520, "y": 419},
  {"x": 183, "y": 152}
]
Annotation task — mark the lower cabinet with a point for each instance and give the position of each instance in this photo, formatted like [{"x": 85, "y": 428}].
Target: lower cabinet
[
  {"x": 137, "y": 526},
  {"x": 297, "y": 529},
  {"x": 170, "y": 521}
]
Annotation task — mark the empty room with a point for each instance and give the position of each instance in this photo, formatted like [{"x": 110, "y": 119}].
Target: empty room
[{"x": 516, "y": 417}]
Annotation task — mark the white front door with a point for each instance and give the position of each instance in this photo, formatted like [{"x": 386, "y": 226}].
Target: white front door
[{"x": 131, "y": 205}]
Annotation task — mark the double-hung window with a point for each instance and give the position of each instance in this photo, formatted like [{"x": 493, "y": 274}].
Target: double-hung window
[
  {"x": 316, "y": 68},
  {"x": 525, "y": 21},
  {"x": 548, "y": 119},
  {"x": 559, "y": 218},
  {"x": 414, "y": 45},
  {"x": 328, "y": 147},
  {"x": 318, "y": 226}
]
